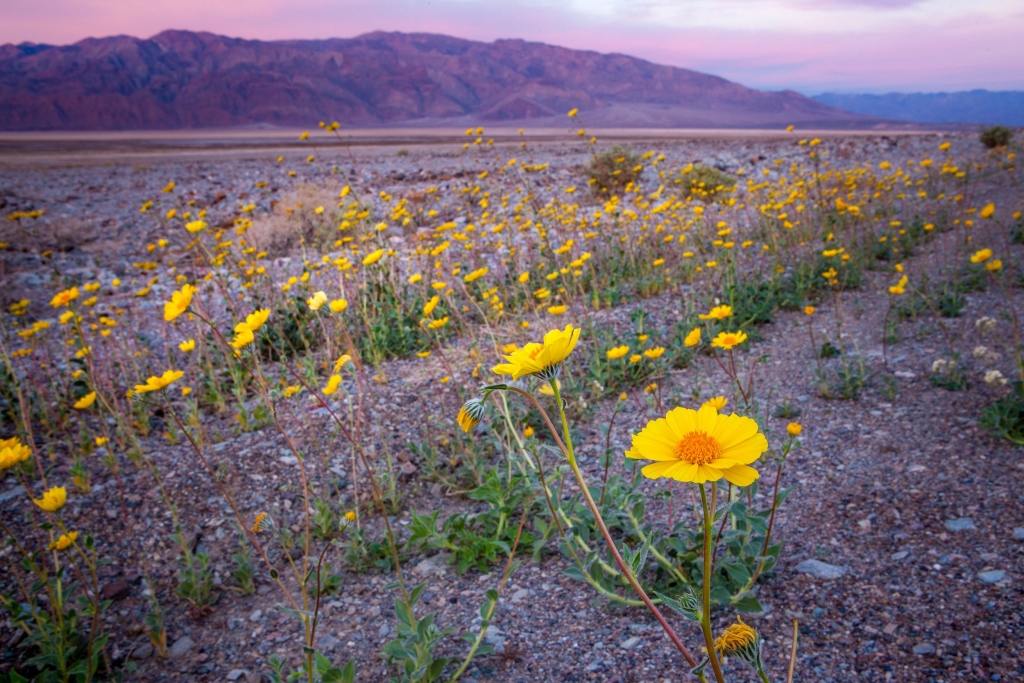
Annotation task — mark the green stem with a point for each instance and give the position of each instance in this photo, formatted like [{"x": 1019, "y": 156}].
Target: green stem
[{"x": 705, "y": 620}]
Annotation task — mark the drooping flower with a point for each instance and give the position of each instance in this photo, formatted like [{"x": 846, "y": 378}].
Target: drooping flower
[
  {"x": 332, "y": 385},
  {"x": 741, "y": 641},
  {"x": 692, "y": 338},
  {"x": 373, "y": 257},
  {"x": 728, "y": 340},
  {"x": 617, "y": 352},
  {"x": 53, "y": 499},
  {"x": 429, "y": 307},
  {"x": 179, "y": 303},
  {"x": 987, "y": 210},
  {"x": 187, "y": 345},
  {"x": 86, "y": 401},
  {"x": 243, "y": 336},
  {"x": 158, "y": 383},
  {"x": 254, "y": 321},
  {"x": 699, "y": 446},
  {"x": 438, "y": 324},
  {"x": 470, "y": 414},
  {"x": 541, "y": 359},
  {"x": 263, "y": 522}
]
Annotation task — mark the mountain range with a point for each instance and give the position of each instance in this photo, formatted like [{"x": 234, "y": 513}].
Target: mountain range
[
  {"x": 1004, "y": 107},
  {"x": 183, "y": 79}
]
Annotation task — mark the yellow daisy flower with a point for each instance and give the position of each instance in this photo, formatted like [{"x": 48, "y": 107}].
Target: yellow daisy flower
[{"x": 541, "y": 359}]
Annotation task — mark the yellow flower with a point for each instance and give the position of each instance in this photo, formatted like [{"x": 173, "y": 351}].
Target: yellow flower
[
  {"x": 64, "y": 298},
  {"x": 338, "y": 305},
  {"x": 63, "y": 541},
  {"x": 185, "y": 391},
  {"x": 476, "y": 274},
  {"x": 179, "y": 303},
  {"x": 195, "y": 226},
  {"x": 543, "y": 358},
  {"x": 158, "y": 383},
  {"x": 423, "y": 354},
  {"x": 316, "y": 301},
  {"x": 635, "y": 358},
  {"x": 617, "y": 352},
  {"x": 255, "y": 320},
  {"x": 557, "y": 310},
  {"x": 524, "y": 277},
  {"x": 692, "y": 338},
  {"x": 808, "y": 310},
  {"x": 86, "y": 401},
  {"x": 12, "y": 453},
  {"x": 290, "y": 391},
  {"x": 655, "y": 353},
  {"x": 262, "y": 522},
  {"x": 429, "y": 307},
  {"x": 528, "y": 432},
  {"x": 101, "y": 440},
  {"x": 332, "y": 385},
  {"x": 987, "y": 210},
  {"x": 700, "y": 446},
  {"x": 981, "y": 256},
  {"x": 794, "y": 428},
  {"x": 736, "y": 637},
  {"x": 340, "y": 363},
  {"x": 53, "y": 499},
  {"x": 414, "y": 278},
  {"x": 573, "y": 112},
  {"x": 438, "y": 324},
  {"x": 373, "y": 257},
  {"x": 187, "y": 346},
  {"x": 717, "y": 402},
  {"x": 169, "y": 187},
  {"x": 727, "y": 340},
  {"x": 350, "y": 515},
  {"x": 994, "y": 265},
  {"x": 717, "y": 313},
  {"x": 470, "y": 414},
  {"x": 243, "y": 336}
]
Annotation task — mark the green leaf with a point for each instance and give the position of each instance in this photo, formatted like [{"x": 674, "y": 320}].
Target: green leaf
[
  {"x": 723, "y": 510},
  {"x": 348, "y": 674},
  {"x": 273, "y": 574}
]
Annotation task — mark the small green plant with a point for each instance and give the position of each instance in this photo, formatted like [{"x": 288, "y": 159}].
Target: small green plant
[
  {"x": 195, "y": 582},
  {"x": 947, "y": 374},
  {"x": 244, "y": 570},
  {"x": 611, "y": 170},
  {"x": 996, "y": 136},
  {"x": 412, "y": 650},
  {"x": 325, "y": 523},
  {"x": 1005, "y": 417},
  {"x": 323, "y": 671},
  {"x": 707, "y": 183}
]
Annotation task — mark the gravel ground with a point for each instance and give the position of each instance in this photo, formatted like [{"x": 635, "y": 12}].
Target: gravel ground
[{"x": 904, "y": 536}]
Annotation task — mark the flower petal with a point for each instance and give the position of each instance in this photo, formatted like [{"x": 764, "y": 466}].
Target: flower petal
[
  {"x": 732, "y": 429},
  {"x": 741, "y": 475},
  {"x": 747, "y": 451},
  {"x": 658, "y": 470},
  {"x": 682, "y": 421}
]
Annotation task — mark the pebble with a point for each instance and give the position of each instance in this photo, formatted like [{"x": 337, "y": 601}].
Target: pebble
[
  {"x": 1018, "y": 533},
  {"x": 821, "y": 570},
  {"x": 960, "y": 524},
  {"x": 520, "y": 595},
  {"x": 235, "y": 674},
  {"x": 180, "y": 648},
  {"x": 900, "y": 555},
  {"x": 924, "y": 649},
  {"x": 992, "y": 576},
  {"x": 328, "y": 642},
  {"x": 144, "y": 651},
  {"x": 255, "y": 616},
  {"x": 630, "y": 643}
]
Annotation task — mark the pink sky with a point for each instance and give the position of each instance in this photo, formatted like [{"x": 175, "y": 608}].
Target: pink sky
[{"x": 806, "y": 45}]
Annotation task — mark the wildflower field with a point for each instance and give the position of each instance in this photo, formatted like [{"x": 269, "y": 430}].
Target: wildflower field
[{"x": 574, "y": 410}]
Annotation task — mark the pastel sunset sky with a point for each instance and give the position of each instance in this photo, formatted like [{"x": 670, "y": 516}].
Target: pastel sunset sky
[{"x": 807, "y": 45}]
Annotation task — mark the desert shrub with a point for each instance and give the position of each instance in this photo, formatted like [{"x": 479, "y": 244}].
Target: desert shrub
[
  {"x": 707, "y": 183},
  {"x": 612, "y": 170},
  {"x": 996, "y": 136},
  {"x": 1005, "y": 417}
]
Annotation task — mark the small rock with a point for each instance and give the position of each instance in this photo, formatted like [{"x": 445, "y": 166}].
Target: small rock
[
  {"x": 916, "y": 468},
  {"x": 255, "y": 616},
  {"x": 180, "y": 648},
  {"x": 960, "y": 524},
  {"x": 520, "y": 595},
  {"x": 900, "y": 555},
  {"x": 821, "y": 570},
  {"x": 11, "y": 493},
  {"x": 992, "y": 576},
  {"x": 116, "y": 590},
  {"x": 144, "y": 651},
  {"x": 384, "y": 630},
  {"x": 924, "y": 649},
  {"x": 328, "y": 642},
  {"x": 1018, "y": 533},
  {"x": 375, "y": 611},
  {"x": 890, "y": 629},
  {"x": 235, "y": 674},
  {"x": 630, "y": 643},
  {"x": 289, "y": 460}
]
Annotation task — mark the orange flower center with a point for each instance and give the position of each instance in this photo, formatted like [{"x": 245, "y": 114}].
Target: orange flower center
[{"x": 698, "y": 448}]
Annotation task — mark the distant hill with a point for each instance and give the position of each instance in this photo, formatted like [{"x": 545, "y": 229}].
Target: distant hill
[
  {"x": 180, "y": 79},
  {"x": 971, "y": 106}
]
